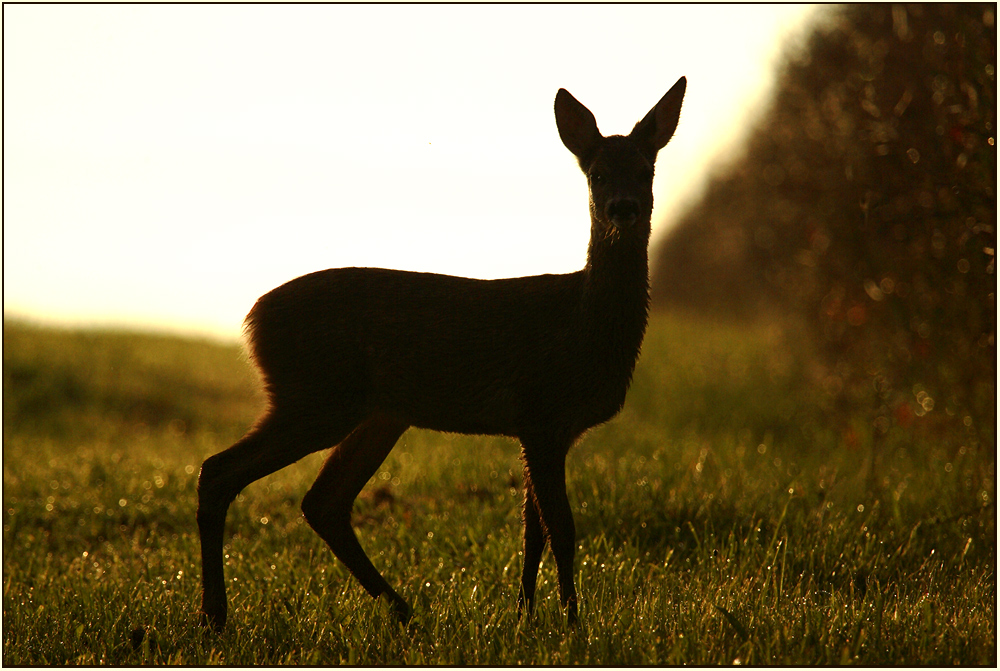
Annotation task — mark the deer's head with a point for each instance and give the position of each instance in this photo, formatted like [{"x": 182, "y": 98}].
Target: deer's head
[{"x": 619, "y": 168}]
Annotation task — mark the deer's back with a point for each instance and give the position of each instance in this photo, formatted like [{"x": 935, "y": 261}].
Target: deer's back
[{"x": 441, "y": 352}]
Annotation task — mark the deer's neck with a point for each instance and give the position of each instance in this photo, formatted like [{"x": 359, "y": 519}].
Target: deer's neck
[{"x": 616, "y": 304}]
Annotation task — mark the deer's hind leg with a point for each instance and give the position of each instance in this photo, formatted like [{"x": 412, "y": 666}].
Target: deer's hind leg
[
  {"x": 327, "y": 505},
  {"x": 275, "y": 442}
]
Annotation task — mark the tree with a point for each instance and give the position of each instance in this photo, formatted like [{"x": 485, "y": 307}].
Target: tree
[{"x": 865, "y": 206}]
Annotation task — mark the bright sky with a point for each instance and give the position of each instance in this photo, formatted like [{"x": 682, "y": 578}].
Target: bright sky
[{"x": 164, "y": 165}]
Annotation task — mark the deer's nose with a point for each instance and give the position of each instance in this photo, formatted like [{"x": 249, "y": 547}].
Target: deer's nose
[{"x": 622, "y": 212}]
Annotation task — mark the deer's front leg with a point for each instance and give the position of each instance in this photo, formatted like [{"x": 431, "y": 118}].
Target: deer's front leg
[
  {"x": 534, "y": 544},
  {"x": 545, "y": 462}
]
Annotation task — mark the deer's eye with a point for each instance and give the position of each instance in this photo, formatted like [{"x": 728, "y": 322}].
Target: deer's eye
[{"x": 597, "y": 177}]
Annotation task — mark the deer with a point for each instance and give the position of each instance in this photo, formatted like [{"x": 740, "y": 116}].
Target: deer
[{"x": 350, "y": 358}]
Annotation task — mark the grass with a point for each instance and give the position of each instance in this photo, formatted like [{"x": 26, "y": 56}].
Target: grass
[{"x": 728, "y": 515}]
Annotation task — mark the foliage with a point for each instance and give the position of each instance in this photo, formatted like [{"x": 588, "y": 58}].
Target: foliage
[
  {"x": 865, "y": 206},
  {"x": 720, "y": 519}
]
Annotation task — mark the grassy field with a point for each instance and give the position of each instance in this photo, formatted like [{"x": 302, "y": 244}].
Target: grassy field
[{"x": 729, "y": 515}]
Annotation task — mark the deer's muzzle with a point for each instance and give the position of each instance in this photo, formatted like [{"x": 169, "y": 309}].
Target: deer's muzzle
[{"x": 622, "y": 212}]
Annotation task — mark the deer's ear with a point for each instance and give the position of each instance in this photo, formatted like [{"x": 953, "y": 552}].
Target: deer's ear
[
  {"x": 658, "y": 126},
  {"x": 577, "y": 126}
]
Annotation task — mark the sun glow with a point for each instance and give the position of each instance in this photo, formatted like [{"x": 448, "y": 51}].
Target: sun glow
[{"x": 167, "y": 164}]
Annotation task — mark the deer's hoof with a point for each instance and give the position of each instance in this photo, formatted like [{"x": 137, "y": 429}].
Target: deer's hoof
[
  {"x": 403, "y": 611},
  {"x": 571, "y": 616},
  {"x": 524, "y": 607},
  {"x": 214, "y": 619}
]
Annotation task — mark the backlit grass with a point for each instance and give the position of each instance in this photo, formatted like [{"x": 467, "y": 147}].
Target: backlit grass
[{"x": 727, "y": 514}]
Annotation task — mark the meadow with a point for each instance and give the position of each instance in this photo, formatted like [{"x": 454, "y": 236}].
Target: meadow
[{"x": 732, "y": 514}]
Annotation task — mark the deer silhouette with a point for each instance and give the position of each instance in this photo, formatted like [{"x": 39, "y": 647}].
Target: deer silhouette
[{"x": 352, "y": 357}]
